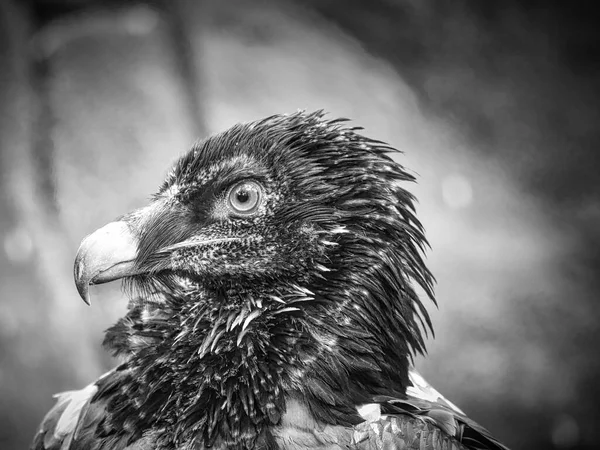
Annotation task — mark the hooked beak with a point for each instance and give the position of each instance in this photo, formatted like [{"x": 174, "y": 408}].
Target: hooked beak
[{"x": 105, "y": 255}]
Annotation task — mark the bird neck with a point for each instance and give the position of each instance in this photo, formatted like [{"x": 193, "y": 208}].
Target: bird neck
[
  {"x": 217, "y": 363},
  {"x": 205, "y": 371}
]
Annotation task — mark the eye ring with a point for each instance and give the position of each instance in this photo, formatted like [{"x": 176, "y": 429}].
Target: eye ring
[{"x": 245, "y": 197}]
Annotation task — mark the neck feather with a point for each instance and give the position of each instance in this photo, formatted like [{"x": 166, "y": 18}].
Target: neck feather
[{"x": 220, "y": 363}]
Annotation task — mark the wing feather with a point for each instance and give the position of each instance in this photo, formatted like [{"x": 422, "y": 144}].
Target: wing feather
[
  {"x": 74, "y": 421},
  {"x": 58, "y": 426},
  {"x": 425, "y": 405}
]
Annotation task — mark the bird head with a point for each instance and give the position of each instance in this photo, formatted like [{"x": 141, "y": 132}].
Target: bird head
[{"x": 284, "y": 250}]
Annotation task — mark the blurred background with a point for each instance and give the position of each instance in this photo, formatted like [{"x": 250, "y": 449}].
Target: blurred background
[{"x": 495, "y": 106}]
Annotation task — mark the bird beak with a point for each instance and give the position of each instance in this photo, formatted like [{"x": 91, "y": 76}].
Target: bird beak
[{"x": 105, "y": 255}]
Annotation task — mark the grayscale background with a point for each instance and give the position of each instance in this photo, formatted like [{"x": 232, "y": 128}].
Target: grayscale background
[{"x": 495, "y": 106}]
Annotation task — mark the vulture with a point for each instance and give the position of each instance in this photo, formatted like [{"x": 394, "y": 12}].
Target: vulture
[{"x": 275, "y": 286}]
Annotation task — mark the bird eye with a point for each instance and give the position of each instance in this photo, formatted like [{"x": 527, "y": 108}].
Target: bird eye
[{"x": 245, "y": 197}]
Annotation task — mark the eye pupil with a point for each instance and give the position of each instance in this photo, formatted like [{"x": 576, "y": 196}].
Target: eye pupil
[{"x": 243, "y": 196}]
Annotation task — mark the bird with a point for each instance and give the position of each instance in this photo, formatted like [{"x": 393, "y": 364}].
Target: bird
[{"x": 276, "y": 284}]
